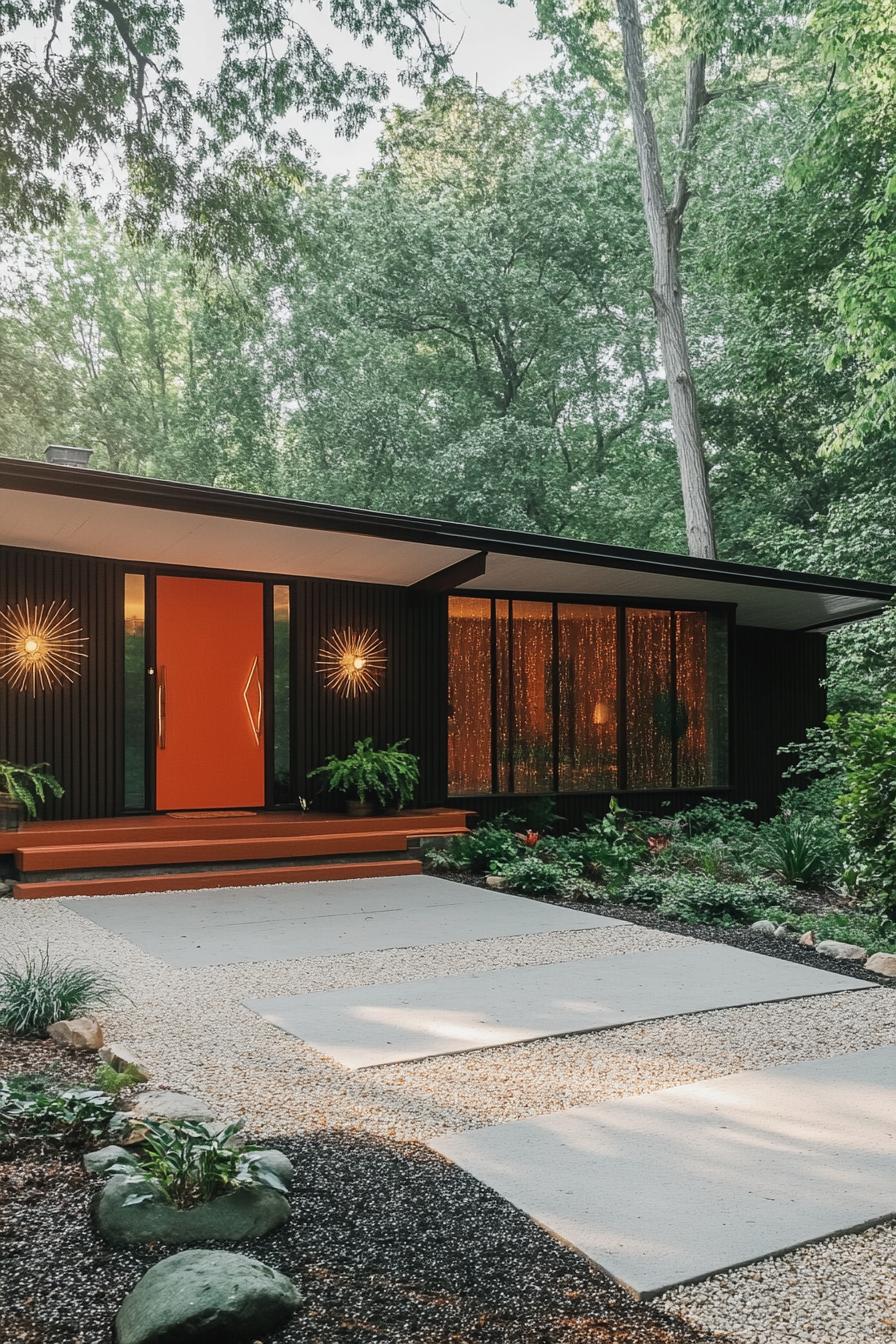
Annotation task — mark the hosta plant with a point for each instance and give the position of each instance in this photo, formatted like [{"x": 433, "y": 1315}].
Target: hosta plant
[
  {"x": 41, "y": 990},
  {"x": 189, "y": 1163},
  {"x": 39, "y": 1108}
]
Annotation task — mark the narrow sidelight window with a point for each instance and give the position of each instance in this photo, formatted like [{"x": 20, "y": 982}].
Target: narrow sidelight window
[
  {"x": 701, "y": 674},
  {"x": 281, "y": 653},
  {"x": 134, "y": 691}
]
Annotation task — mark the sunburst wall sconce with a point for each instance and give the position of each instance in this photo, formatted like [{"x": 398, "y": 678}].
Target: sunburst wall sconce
[
  {"x": 40, "y": 646},
  {"x": 352, "y": 663}
]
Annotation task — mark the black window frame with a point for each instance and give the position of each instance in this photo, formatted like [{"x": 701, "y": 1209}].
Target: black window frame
[{"x": 620, "y": 603}]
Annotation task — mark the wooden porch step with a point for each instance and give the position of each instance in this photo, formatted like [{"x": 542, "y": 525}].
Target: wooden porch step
[
  {"x": 45, "y": 834},
  {"x": 158, "y": 853},
  {"x": 233, "y": 877}
]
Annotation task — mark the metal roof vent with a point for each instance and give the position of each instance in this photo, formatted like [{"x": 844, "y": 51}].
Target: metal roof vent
[{"x": 63, "y": 455}]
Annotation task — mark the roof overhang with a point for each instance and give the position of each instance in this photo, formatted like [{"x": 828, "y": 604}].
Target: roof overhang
[{"x": 145, "y": 521}]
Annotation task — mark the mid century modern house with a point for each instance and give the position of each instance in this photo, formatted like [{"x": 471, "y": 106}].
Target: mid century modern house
[{"x": 173, "y": 650}]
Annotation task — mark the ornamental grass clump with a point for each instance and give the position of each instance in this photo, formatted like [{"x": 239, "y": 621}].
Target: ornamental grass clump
[{"x": 41, "y": 990}]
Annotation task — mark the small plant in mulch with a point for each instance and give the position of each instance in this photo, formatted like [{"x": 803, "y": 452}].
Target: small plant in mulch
[
  {"x": 41, "y": 990},
  {"x": 38, "y": 1109},
  {"x": 191, "y": 1164}
]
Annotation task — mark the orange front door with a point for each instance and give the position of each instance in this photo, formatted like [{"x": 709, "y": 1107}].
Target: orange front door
[{"x": 210, "y": 694}]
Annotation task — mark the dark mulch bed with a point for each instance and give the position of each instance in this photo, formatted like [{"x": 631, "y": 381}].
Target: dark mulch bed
[
  {"x": 18, "y": 1055},
  {"x": 710, "y": 933},
  {"x": 387, "y": 1241}
]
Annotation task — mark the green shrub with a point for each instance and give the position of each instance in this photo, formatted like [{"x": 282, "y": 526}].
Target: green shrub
[
  {"x": 798, "y": 848},
  {"x": 718, "y": 818},
  {"x": 867, "y": 806},
  {"x": 388, "y": 776},
  {"x": 694, "y": 898},
  {"x": 484, "y": 850},
  {"x": 190, "y": 1163},
  {"x": 114, "y": 1081},
  {"x": 41, "y": 991},
  {"x": 36, "y": 1107},
  {"x": 536, "y": 877}
]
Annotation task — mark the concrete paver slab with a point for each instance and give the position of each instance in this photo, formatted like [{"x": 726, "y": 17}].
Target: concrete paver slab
[
  {"x": 672, "y": 1187},
  {"x": 383, "y": 1024},
  {"x": 308, "y": 919}
]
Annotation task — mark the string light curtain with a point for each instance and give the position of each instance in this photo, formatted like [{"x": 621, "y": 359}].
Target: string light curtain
[
  {"x": 587, "y": 724},
  {"x": 534, "y": 697}
]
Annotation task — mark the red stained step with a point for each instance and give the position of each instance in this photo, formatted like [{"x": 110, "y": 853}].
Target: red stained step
[{"x": 234, "y": 877}]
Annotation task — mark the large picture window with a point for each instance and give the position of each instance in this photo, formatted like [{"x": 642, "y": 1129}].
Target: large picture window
[{"x": 578, "y": 697}]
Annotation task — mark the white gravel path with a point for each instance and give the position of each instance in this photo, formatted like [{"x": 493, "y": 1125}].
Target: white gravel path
[{"x": 191, "y": 1028}]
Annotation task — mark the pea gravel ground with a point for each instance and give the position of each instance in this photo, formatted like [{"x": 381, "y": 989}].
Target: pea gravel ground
[{"x": 192, "y": 1030}]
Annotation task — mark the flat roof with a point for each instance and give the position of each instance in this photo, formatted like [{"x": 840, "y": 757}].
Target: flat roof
[{"x": 137, "y": 519}]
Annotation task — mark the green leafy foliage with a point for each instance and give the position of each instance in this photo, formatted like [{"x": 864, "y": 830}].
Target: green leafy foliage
[
  {"x": 867, "y": 806},
  {"x": 486, "y": 849},
  {"x": 115, "y": 1081},
  {"x": 41, "y": 989},
  {"x": 865, "y": 929},
  {"x": 29, "y": 784},
  {"x": 388, "y": 776},
  {"x": 189, "y": 1163},
  {"x": 33, "y": 1107},
  {"x": 800, "y": 849},
  {"x": 694, "y": 898},
  {"x": 533, "y": 876}
]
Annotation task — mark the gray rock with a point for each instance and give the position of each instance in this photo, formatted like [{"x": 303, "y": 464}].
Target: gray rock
[
  {"x": 496, "y": 881},
  {"x": 250, "y": 1211},
  {"x": 206, "y": 1297},
  {"x": 882, "y": 963},
  {"x": 764, "y": 926},
  {"x": 5, "y": 889},
  {"x": 78, "y": 1033},
  {"x": 271, "y": 1159},
  {"x": 158, "y": 1105},
  {"x": 786, "y": 931},
  {"x": 842, "y": 951},
  {"x": 121, "y": 1059},
  {"x": 99, "y": 1162}
]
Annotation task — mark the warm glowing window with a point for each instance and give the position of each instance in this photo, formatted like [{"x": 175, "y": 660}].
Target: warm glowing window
[
  {"x": 535, "y": 691},
  {"x": 587, "y": 660},
  {"x": 281, "y": 659},
  {"x": 470, "y": 695},
  {"x": 651, "y": 719},
  {"x": 532, "y": 696}
]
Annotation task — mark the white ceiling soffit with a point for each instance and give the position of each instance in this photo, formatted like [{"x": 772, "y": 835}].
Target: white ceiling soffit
[
  {"x": 772, "y": 607},
  {"x": 166, "y": 537}
]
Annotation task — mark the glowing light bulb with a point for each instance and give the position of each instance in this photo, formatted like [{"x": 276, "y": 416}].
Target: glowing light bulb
[{"x": 32, "y": 645}]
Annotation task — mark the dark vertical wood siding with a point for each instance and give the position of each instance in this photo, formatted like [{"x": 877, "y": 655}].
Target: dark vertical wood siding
[
  {"x": 778, "y": 694},
  {"x": 412, "y": 696},
  {"x": 76, "y": 728}
]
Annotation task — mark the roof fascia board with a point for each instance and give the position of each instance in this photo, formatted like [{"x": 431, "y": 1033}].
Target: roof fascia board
[{"x": 148, "y": 492}]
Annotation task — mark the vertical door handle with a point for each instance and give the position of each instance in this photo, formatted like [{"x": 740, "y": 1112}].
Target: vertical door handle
[
  {"x": 161, "y": 707},
  {"x": 253, "y": 681}
]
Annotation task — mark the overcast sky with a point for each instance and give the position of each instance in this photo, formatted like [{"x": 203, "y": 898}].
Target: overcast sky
[{"x": 496, "y": 48}]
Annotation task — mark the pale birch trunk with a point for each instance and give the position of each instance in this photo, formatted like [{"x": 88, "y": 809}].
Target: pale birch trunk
[{"x": 664, "y": 221}]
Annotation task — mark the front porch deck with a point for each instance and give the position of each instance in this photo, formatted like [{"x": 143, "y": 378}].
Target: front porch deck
[{"x": 172, "y": 852}]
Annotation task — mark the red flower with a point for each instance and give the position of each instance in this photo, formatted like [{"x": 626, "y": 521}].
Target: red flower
[
  {"x": 531, "y": 838},
  {"x": 657, "y": 842}
]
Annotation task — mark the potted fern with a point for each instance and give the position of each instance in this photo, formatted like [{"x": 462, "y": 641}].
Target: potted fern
[
  {"x": 22, "y": 787},
  {"x": 386, "y": 777}
]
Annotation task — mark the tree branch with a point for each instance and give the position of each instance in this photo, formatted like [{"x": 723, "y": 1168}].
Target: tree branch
[{"x": 695, "y": 99}]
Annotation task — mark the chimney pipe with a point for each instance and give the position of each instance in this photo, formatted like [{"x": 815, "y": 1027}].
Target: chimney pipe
[{"x": 63, "y": 455}]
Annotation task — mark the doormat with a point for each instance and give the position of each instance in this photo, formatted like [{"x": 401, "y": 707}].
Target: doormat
[{"x": 188, "y": 816}]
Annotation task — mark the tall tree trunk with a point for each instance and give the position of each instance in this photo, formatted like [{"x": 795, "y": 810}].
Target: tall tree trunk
[{"x": 664, "y": 221}]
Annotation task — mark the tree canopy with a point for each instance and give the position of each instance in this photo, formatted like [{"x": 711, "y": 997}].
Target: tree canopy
[{"x": 466, "y": 328}]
